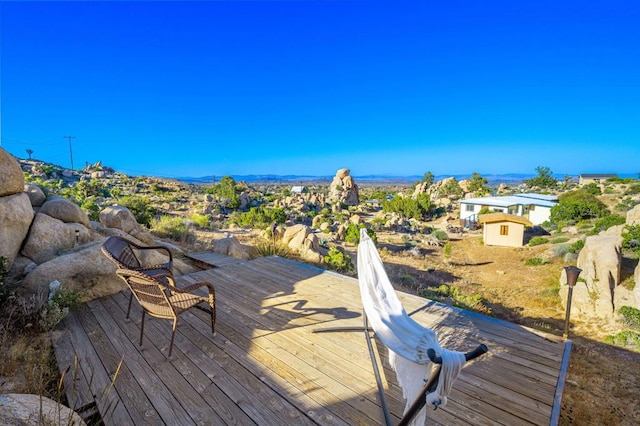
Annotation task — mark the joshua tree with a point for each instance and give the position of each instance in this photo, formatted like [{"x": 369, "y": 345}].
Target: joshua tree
[{"x": 29, "y": 152}]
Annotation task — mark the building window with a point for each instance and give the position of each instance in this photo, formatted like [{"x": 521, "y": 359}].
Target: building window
[
  {"x": 470, "y": 207},
  {"x": 504, "y": 229}
]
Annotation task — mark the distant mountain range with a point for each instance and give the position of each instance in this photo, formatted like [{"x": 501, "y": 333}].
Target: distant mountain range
[{"x": 509, "y": 178}]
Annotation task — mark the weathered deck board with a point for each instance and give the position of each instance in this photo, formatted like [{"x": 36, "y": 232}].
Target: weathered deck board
[
  {"x": 266, "y": 365},
  {"x": 208, "y": 259}
]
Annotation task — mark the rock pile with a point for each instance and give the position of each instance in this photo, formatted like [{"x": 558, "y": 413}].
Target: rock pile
[
  {"x": 46, "y": 239},
  {"x": 598, "y": 293},
  {"x": 343, "y": 189}
]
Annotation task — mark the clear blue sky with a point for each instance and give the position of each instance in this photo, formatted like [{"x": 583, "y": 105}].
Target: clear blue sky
[{"x": 308, "y": 87}]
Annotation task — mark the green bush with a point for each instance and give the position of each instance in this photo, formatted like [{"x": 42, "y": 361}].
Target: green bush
[
  {"x": 440, "y": 235},
  {"x": 201, "y": 220},
  {"x": 537, "y": 240},
  {"x": 633, "y": 189},
  {"x": 140, "y": 208},
  {"x": 338, "y": 261},
  {"x": 352, "y": 234},
  {"x": 536, "y": 261},
  {"x": 260, "y": 217},
  {"x": 172, "y": 227},
  {"x": 631, "y": 238},
  {"x": 405, "y": 206},
  {"x": 625, "y": 338},
  {"x": 592, "y": 188},
  {"x": 576, "y": 247},
  {"x": 559, "y": 240},
  {"x": 575, "y": 206},
  {"x": 630, "y": 317},
  {"x": 607, "y": 222}
]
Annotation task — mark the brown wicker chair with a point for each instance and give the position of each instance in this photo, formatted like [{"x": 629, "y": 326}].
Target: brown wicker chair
[
  {"x": 129, "y": 255},
  {"x": 161, "y": 298}
]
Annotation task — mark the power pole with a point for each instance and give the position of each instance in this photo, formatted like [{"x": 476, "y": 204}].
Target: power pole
[{"x": 70, "y": 149}]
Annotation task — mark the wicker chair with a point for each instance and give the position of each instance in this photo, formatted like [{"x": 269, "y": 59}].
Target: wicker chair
[
  {"x": 161, "y": 298},
  {"x": 128, "y": 255}
]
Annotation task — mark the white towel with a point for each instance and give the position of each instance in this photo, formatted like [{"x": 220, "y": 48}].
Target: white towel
[{"x": 407, "y": 340}]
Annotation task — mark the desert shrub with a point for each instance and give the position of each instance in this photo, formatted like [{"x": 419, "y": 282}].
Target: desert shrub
[
  {"x": 537, "y": 240},
  {"x": 172, "y": 227},
  {"x": 260, "y": 217},
  {"x": 446, "y": 251},
  {"x": 576, "y": 247},
  {"x": 452, "y": 293},
  {"x": 266, "y": 248},
  {"x": 440, "y": 235},
  {"x": 629, "y": 283},
  {"x": 560, "y": 250},
  {"x": 536, "y": 261},
  {"x": 592, "y": 188},
  {"x": 352, "y": 235},
  {"x": 201, "y": 220},
  {"x": 631, "y": 238},
  {"x": 559, "y": 240},
  {"x": 57, "y": 307},
  {"x": 405, "y": 206},
  {"x": 451, "y": 190},
  {"x": 92, "y": 208},
  {"x": 607, "y": 222},
  {"x": 140, "y": 208},
  {"x": 338, "y": 261},
  {"x": 627, "y": 203},
  {"x": 227, "y": 191},
  {"x": 633, "y": 189},
  {"x": 625, "y": 338},
  {"x": 630, "y": 317},
  {"x": 577, "y": 205}
]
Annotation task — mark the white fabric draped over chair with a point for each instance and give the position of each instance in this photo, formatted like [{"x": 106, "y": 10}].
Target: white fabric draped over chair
[{"x": 406, "y": 339}]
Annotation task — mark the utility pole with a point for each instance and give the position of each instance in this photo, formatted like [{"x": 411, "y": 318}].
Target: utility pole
[{"x": 70, "y": 149}]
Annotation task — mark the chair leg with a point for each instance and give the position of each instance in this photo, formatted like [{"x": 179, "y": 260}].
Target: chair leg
[
  {"x": 212, "y": 305},
  {"x": 173, "y": 334},
  {"x": 142, "y": 328},
  {"x": 129, "y": 308}
]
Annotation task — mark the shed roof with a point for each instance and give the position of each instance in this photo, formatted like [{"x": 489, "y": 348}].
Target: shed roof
[
  {"x": 503, "y": 217},
  {"x": 509, "y": 200}
]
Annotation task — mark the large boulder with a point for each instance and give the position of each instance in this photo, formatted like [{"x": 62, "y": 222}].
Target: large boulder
[
  {"x": 633, "y": 216},
  {"x": 84, "y": 269},
  {"x": 16, "y": 214},
  {"x": 35, "y": 194},
  {"x": 343, "y": 189},
  {"x": 64, "y": 210},
  {"x": 231, "y": 246},
  {"x": 11, "y": 176},
  {"x": 27, "y": 409},
  {"x": 49, "y": 236},
  {"x": 120, "y": 217},
  {"x": 600, "y": 261}
]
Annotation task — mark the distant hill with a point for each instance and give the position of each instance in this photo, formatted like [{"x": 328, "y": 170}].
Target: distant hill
[{"x": 509, "y": 179}]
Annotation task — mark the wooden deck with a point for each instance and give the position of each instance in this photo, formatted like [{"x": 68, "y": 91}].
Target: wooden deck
[
  {"x": 208, "y": 259},
  {"x": 265, "y": 366}
]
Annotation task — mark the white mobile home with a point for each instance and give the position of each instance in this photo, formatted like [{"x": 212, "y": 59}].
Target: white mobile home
[{"x": 534, "y": 207}]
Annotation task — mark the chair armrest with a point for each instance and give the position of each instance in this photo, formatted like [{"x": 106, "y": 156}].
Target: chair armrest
[{"x": 190, "y": 288}]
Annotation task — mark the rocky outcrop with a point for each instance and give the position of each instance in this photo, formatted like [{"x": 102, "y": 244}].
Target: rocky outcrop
[
  {"x": 120, "y": 217},
  {"x": 633, "y": 216},
  {"x": 49, "y": 236},
  {"x": 36, "y": 195},
  {"x": 62, "y": 209},
  {"x": 594, "y": 293},
  {"x": 16, "y": 214},
  {"x": 301, "y": 239},
  {"x": 84, "y": 269},
  {"x": 11, "y": 176},
  {"x": 27, "y": 409},
  {"x": 343, "y": 189},
  {"x": 231, "y": 246}
]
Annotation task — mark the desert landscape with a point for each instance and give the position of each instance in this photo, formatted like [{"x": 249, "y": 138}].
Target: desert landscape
[{"x": 427, "y": 253}]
